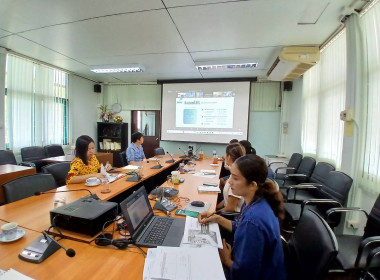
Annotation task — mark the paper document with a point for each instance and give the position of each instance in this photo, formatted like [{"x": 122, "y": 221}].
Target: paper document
[
  {"x": 192, "y": 234},
  {"x": 110, "y": 177},
  {"x": 131, "y": 167},
  {"x": 183, "y": 263},
  {"x": 12, "y": 274},
  {"x": 208, "y": 171},
  {"x": 208, "y": 189}
]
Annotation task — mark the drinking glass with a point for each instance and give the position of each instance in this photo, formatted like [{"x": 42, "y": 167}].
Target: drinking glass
[{"x": 169, "y": 181}]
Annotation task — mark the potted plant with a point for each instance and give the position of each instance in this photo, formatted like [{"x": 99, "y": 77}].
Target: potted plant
[{"x": 105, "y": 114}]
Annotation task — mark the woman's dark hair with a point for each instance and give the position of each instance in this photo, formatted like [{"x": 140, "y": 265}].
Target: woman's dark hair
[
  {"x": 254, "y": 169},
  {"x": 248, "y": 147},
  {"x": 235, "y": 151},
  {"x": 81, "y": 147},
  {"x": 234, "y": 141},
  {"x": 136, "y": 136}
]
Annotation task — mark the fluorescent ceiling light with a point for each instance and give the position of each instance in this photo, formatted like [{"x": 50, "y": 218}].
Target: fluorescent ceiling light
[
  {"x": 225, "y": 65},
  {"x": 133, "y": 68}
]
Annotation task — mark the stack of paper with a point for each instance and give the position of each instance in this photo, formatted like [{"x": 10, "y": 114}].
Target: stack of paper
[
  {"x": 183, "y": 263},
  {"x": 208, "y": 189},
  {"x": 208, "y": 172},
  {"x": 12, "y": 274}
]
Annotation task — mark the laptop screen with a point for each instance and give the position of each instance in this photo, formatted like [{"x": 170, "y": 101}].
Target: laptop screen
[{"x": 137, "y": 211}]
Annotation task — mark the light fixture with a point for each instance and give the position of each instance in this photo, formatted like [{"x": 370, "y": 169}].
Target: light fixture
[
  {"x": 130, "y": 68},
  {"x": 226, "y": 65}
]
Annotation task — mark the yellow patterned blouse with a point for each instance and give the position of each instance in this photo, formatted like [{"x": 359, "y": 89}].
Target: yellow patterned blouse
[{"x": 78, "y": 168}]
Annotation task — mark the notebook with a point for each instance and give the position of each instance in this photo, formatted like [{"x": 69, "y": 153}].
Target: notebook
[{"x": 145, "y": 228}]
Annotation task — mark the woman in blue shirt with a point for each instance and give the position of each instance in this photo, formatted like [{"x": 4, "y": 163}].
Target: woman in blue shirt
[{"x": 257, "y": 249}]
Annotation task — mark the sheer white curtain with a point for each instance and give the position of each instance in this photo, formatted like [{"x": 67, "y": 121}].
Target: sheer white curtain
[
  {"x": 265, "y": 96},
  {"x": 36, "y": 104},
  {"x": 370, "y": 128},
  {"x": 324, "y": 89}
]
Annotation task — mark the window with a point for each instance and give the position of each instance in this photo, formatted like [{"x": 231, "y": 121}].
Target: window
[{"x": 37, "y": 104}]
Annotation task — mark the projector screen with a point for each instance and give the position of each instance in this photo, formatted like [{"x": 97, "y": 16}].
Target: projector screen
[{"x": 205, "y": 112}]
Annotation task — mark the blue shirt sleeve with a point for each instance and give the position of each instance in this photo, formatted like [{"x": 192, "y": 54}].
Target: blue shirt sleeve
[
  {"x": 248, "y": 251},
  {"x": 130, "y": 154}
]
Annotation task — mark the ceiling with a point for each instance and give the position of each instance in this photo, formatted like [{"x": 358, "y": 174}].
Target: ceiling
[{"x": 166, "y": 36}]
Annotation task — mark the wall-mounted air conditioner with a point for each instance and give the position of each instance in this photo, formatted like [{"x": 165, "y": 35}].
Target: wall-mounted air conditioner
[{"x": 293, "y": 62}]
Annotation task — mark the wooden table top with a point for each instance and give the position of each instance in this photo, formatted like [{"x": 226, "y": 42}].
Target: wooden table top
[
  {"x": 11, "y": 168},
  {"x": 90, "y": 261}
]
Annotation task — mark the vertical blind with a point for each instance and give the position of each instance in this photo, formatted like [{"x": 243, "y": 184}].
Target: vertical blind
[
  {"x": 36, "y": 104},
  {"x": 323, "y": 98}
]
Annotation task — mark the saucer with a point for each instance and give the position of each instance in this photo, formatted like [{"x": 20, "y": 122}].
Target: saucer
[
  {"x": 20, "y": 233},
  {"x": 93, "y": 184}
]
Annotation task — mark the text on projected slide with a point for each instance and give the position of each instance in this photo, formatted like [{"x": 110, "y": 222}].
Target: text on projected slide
[{"x": 216, "y": 112}]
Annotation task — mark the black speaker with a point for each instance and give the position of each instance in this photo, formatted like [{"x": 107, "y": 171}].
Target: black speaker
[
  {"x": 98, "y": 88},
  {"x": 288, "y": 86}
]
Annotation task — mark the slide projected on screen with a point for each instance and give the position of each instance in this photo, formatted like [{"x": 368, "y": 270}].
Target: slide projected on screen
[{"x": 205, "y": 112}]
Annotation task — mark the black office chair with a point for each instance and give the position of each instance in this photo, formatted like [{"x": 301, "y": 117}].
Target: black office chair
[
  {"x": 290, "y": 168},
  {"x": 26, "y": 186},
  {"x": 317, "y": 179},
  {"x": 123, "y": 158},
  {"x": 59, "y": 171},
  {"x": 311, "y": 249},
  {"x": 159, "y": 151},
  {"x": 7, "y": 157},
  {"x": 333, "y": 194},
  {"x": 54, "y": 151},
  {"x": 355, "y": 249},
  {"x": 34, "y": 154}
]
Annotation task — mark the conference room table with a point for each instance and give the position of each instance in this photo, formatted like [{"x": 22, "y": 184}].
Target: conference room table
[
  {"x": 91, "y": 261},
  {"x": 9, "y": 172}
]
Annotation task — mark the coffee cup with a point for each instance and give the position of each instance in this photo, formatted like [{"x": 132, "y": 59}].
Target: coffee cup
[
  {"x": 92, "y": 180},
  {"x": 9, "y": 230}
]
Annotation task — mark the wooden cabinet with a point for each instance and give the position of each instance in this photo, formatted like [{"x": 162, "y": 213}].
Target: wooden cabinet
[{"x": 113, "y": 138}]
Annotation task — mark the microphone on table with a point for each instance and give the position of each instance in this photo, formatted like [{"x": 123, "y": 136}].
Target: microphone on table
[
  {"x": 42, "y": 248},
  {"x": 94, "y": 196},
  {"x": 170, "y": 160},
  {"x": 195, "y": 157},
  {"x": 184, "y": 154}
]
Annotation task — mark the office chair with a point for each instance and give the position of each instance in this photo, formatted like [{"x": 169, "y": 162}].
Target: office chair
[
  {"x": 34, "y": 154},
  {"x": 7, "y": 157},
  {"x": 59, "y": 171},
  {"x": 54, "y": 150},
  {"x": 317, "y": 179},
  {"x": 359, "y": 252},
  {"x": 123, "y": 158},
  {"x": 290, "y": 168},
  {"x": 300, "y": 175},
  {"x": 26, "y": 186},
  {"x": 311, "y": 249},
  {"x": 333, "y": 194},
  {"x": 159, "y": 151}
]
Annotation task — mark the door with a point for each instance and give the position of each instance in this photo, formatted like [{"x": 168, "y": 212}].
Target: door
[{"x": 148, "y": 123}]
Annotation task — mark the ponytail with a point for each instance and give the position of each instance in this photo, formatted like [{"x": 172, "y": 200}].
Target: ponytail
[{"x": 274, "y": 198}]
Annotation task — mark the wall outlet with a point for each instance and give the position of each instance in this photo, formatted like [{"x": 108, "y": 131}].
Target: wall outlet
[
  {"x": 353, "y": 224},
  {"x": 347, "y": 115}
]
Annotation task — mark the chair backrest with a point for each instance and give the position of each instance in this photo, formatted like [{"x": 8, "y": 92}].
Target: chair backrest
[
  {"x": 295, "y": 160},
  {"x": 311, "y": 248},
  {"x": 7, "y": 157},
  {"x": 306, "y": 166},
  {"x": 320, "y": 172},
  {"x": 123, "y": 158},
  {"x": 372, "y": 227},
  {"x": 26, "y": 186},
  {"x": 34, "y": 154},
  {"x": 337, "y": 186},
  {"x": 54, "y": 151},
  {"x": 59, "y": 172},
  {"x": 159, "y": 151}
]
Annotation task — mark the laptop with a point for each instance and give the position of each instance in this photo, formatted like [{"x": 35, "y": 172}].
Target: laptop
[{"x": 146, "y": 229}]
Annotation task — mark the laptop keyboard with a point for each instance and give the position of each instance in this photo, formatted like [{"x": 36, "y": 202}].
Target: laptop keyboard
[{"x": 159, "y": 231}]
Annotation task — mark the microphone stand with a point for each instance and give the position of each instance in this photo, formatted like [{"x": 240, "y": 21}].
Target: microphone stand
[
  {"x": 185, "y": 155},
  {"x": 170, "y": 160},
  {"x": 134, "y": 178}
]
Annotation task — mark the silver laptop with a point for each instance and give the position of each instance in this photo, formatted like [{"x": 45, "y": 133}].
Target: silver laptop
[{"x": 145, "y": 228}]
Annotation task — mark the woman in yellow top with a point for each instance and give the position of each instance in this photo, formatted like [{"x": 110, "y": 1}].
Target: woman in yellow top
[{"x": 85, "y": 165}]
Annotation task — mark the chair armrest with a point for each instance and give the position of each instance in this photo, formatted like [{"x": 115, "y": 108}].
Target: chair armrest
[
  {"x": 369, "y": 241},
  {"x": 228, "y": 215},
  {"x": 277, "y": 162},
  {"x": 299, "y": 187},
  {"x": 318, "y": 201},
  {"x": 27, "y": 163},
  {"x": 286, "y": 168},
  {"x": 344, "y": 210}
]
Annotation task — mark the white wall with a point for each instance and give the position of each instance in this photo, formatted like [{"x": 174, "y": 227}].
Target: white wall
[{"x": 84, "y": 112}]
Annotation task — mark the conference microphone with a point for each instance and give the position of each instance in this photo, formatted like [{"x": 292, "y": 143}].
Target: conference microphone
[
  {"x": 69, "y": 252},
  {"x": 170, "y": 160},
  {"x": 94, "y": 196},
  {"x": 184, "y": 154}
]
